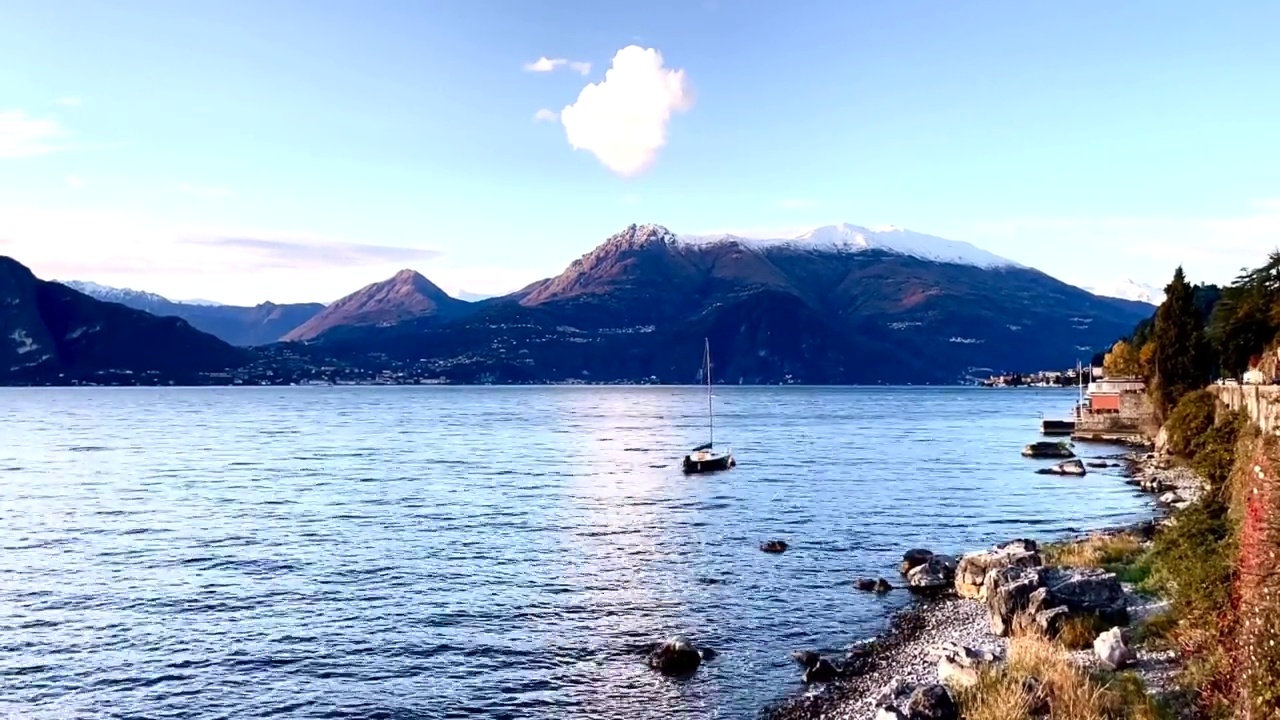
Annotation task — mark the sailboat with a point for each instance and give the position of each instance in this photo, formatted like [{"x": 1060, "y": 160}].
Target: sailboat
[{"x": 705, "y": 458}]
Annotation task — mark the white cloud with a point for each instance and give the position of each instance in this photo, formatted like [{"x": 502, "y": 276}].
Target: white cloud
[
  {"x": 24, "y": 136},
  {"x": 68, "y": 101},
  {"x": 546, "y": 64},
  {"x": 204, "y": 191},
  {"x": 75, "y": 181},
  {"x": 623, "y": 119},
  {"x": 545, "y": 115}
]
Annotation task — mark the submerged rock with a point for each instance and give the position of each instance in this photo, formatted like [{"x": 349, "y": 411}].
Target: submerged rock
[
  {"x": 1070, "y": 467},
  {"x": 882, "y": 586},
  {"x": 866, "y": 584},
  {"x": 675, "y": 657},
  {"x": 774, "y": 546}
]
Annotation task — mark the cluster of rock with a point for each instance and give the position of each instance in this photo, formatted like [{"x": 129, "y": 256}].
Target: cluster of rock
[
  {"x": 1158, "y": 474},
  {"x": 928, "y": 573},
  {"x": 1055, "y": 450},
  {"x": 909, "y": 701}
]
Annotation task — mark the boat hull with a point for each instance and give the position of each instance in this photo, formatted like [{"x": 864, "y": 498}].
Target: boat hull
[{"x": 693, "y": 466}]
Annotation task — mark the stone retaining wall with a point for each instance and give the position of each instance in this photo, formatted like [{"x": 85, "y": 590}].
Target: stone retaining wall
[{"x": 1261, "y": 403}]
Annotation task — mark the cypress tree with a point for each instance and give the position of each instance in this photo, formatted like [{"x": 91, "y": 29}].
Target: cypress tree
[{"x": 1182, "y": 358}]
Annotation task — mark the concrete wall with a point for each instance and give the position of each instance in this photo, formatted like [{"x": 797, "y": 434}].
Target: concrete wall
[{"x": 1260, "y": 402}]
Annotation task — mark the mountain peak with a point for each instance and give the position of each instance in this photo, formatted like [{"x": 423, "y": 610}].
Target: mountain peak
[
  {"x": 407, "y": 275},
  {"x": 404, "y": 296}
]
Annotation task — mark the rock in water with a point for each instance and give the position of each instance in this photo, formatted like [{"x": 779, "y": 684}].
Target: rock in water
[
  {"x": 935, "y": 576},
  {"x": 883, "y": 586},
  {"x": 675, "y": 657},
  {"x": 1112, "y": 651},
  {"x": 866, "y": 584},
  {"x": 806, "y": 658},
  {"x": 774, "y": 546},
  {"x": 915, "y": 558},
  {"x": 1070, "y": 467},
  {"x": 932, "y": 702},
  {"x": 1048, "y": 449},
  {"x": 822, "y": 671}
]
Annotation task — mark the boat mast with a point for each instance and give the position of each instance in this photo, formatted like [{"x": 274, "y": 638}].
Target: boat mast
[{"x": 711, "y": 418}]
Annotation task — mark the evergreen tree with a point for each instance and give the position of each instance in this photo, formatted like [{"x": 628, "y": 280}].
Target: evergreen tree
[{"x": 1182, "y": 361}]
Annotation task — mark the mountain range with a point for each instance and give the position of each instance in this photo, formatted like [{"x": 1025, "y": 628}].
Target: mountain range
[
  {"x": 244, "y": 326},
  {"x": 839, "y": 304}
]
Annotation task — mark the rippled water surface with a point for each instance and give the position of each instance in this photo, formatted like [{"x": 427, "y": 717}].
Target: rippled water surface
[{"x": 479, "y": 552}]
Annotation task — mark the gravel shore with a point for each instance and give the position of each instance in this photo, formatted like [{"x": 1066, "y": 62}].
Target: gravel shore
[{"x": 903, "y": 652}]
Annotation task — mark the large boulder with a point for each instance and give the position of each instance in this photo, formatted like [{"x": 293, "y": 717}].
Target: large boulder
[
  {"x": 1112, "y": 651},
  {"x": 932, "y": 702},
  {"x": 1048, "y": 449},
  {"x": 675, "y": 657},
  {"x": 933, "y": 577},
  {"x": 959, "y": 666},
  {"x": 1030, "y": 598},
  {"x": 914, "y": 558},
  {"x": 973, "y": 568},
  {"x": 1069, "y": 467},
  {"x": 1088, "y": 591},
  {"x": 1008, "y": 593}
]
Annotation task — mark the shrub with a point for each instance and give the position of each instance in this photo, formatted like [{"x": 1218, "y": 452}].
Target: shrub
[{"x": 1190, "y": 421}]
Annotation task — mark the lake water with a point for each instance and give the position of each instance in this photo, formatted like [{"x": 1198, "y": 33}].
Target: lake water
[{"x": 489, "y": 552}]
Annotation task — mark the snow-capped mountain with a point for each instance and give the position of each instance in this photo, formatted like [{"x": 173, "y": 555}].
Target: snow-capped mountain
[
  {"x": 125, "y": 296},
  {"x": 853, "y": 238},
  {"x": 1130, "y": 290}
]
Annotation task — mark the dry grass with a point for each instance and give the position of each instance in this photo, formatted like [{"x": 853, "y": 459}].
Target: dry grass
[
  {"x": 1078, "y": 633},
  {"x": 1041, "y": 681},
  {"x": 1099, "y": 550}
]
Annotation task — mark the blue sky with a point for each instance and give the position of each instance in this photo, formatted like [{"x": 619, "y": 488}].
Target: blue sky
[{"x": 245, "y": 151}]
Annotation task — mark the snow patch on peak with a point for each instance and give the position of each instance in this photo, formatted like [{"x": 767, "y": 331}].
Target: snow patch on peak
[
  {"x": 844, "y": 238},
  {"x": 1129, "y": 289},
  {"x": 112, "y": 294}
]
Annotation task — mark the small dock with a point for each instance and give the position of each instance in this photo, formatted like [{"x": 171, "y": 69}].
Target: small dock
[{"x": 1057, "y": 427}]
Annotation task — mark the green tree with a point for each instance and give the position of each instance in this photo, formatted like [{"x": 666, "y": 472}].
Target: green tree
[{"x": 1182, "y": 361}]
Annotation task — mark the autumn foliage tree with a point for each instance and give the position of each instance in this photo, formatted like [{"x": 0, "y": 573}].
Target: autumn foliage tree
[{"x": 1122, "y": 361}]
